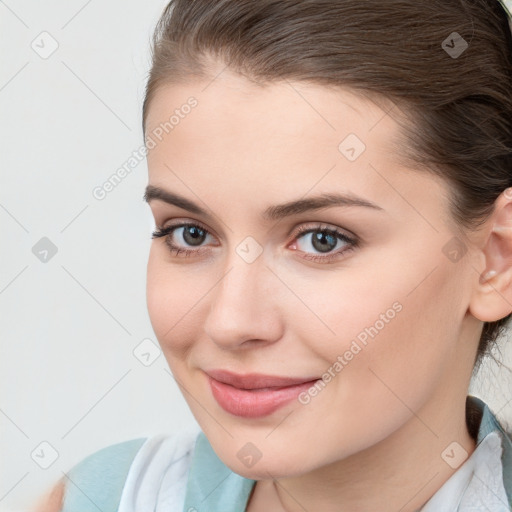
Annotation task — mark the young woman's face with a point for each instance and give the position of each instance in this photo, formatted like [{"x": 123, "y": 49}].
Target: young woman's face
[{"x": 372, "y": 310}]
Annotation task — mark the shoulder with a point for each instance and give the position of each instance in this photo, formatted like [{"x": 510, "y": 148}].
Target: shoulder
[
  {"x": 95, "y": 481},
  {"x": 121, "y": 472},
  {"x": 489, "y": 423},
  {"x": 506, "y": 458}
]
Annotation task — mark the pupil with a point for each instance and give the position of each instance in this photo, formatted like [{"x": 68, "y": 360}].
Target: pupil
[
  {"x": 321, "y": 239},
  {"x": 193, "y": 235}
]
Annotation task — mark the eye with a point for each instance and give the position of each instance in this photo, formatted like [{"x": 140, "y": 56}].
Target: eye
[
  {"x": 186, "y": 233},
  {"x": 324, "y": 240},
  {"x": 180, "y": 237}
]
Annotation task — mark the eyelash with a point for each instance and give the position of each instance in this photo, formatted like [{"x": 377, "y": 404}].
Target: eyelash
[{"x": 352, "y": 242}]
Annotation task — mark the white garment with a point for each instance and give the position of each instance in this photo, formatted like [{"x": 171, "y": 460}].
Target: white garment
[
  {"x": 157, "y": 479},
  {"x": 477, "y": 485}
]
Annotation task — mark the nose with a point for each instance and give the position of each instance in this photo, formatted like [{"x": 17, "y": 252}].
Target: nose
[{"x": 244, "y": 306}]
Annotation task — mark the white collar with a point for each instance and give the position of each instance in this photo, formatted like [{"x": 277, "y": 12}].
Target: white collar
[{"x": 477, "y": 484}]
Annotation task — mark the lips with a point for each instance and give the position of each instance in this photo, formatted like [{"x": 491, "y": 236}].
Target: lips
[{"x": 255, "y": 395}]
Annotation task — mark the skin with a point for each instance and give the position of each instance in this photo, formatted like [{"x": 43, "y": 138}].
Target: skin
[
  {"x": 372, "y": 439},
  {"x": 53, "y": 500}
]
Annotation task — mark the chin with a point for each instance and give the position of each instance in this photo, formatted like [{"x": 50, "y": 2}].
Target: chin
[{"x": 278, "y": 466}]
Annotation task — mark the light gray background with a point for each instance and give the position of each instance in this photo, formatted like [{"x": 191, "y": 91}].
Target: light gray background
[{"x": 69, "y": 325}]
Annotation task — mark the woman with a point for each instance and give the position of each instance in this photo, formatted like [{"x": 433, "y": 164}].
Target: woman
[{"x": 331, "y": 186}]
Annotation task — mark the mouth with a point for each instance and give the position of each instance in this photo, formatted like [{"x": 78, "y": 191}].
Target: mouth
[{"x": 255, "y": 395}]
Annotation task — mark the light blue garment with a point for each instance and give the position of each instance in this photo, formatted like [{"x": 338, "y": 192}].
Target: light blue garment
[
  {"x": 212, "y": 486},
  {"x": 97, "y": 482}
]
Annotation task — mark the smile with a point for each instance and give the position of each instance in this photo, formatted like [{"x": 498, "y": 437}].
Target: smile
[{"x": 255, "y": 395}]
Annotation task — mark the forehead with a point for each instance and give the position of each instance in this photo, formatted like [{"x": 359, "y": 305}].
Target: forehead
[
  {"x": 229, "y": 99},
  {"x": 280, "y": 141}
]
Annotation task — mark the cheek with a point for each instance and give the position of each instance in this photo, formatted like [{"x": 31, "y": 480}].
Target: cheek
[
  {"x": 169, "y": 300},
  {"x": 157, "y": 292},
  {"x": 395, "y": 372},
  {"x": 395, "y": 301},
  {"x": 177, "y": 303},
  {"x": 419, "y": 348},
  {"x": 395, "y": 338}
]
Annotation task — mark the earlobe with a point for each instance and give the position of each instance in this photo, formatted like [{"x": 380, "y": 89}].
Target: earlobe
[
  {"x": 487, "y": 276},
  {"x": 492, "y": 294}
]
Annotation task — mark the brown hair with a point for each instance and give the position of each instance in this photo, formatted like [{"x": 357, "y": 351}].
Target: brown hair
[{"x": 459, "y": 107}]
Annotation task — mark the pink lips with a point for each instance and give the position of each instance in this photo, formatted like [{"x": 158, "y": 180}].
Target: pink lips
[{"x": 255, "y": 395}]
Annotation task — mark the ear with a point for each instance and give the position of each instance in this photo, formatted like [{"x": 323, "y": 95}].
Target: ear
[{"x": 491, "y": 299}]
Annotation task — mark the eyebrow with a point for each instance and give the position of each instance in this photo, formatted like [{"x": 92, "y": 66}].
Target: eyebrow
[{"x": 271, "y": 213}]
